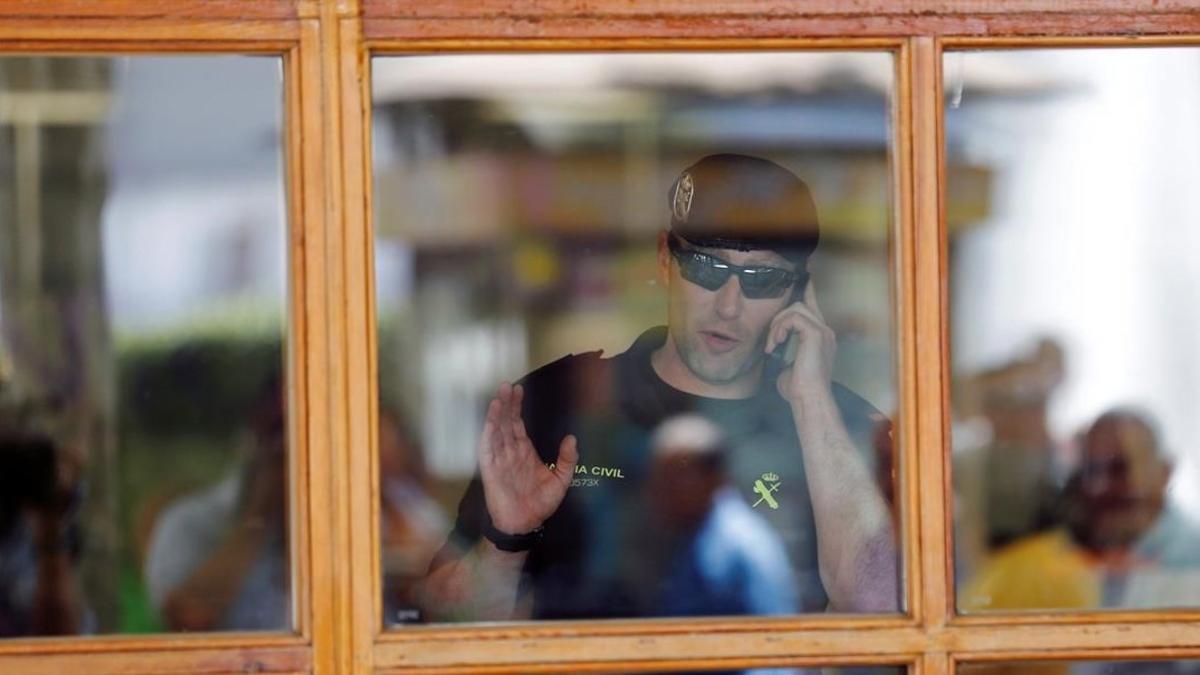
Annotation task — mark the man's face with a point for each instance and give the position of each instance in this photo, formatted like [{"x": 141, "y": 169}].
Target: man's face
[
  {"x": 1122, "y": 483},
  {"x": 718, "y": 336}
]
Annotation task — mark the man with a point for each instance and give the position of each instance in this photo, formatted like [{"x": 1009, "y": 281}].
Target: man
[
  {"x": 217, "y": 558},
  {"x": 1123, "y": 544},
  {"x": 550, "y": 524},
  {"x": 40, "y": 591}
]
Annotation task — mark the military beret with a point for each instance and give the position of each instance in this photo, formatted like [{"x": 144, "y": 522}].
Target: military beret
[{"x": 744, "y": 203}]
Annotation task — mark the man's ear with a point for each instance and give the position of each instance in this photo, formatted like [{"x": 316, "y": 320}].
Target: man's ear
[{"x": 664, "y": 259}]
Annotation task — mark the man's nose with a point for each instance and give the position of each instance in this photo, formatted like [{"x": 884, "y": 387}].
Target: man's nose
[{"x": 729, "y": 298}]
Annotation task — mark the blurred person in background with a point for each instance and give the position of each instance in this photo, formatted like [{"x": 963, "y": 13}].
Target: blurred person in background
[
  {"x": 40, "y": 543},
  {"x": 217, "y": 558},
  {"x": 565, "y": 455},
  {"x": 719, "y": 557},
  {"x": 1123, "y": 544},
  {"x": 412, "y": 524},
  {"x": 1010, "y": 476},
  {"x": 714, "y": 554}
]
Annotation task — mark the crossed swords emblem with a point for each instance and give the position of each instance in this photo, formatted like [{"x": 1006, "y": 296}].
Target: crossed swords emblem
[{"x": 764, "y": 492}]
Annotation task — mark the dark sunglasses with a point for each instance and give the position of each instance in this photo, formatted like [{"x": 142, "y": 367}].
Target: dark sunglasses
[{"x": 710, "y": 273}]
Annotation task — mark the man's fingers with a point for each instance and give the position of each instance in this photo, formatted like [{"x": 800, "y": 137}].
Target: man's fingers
[
  {"x": 513, "y": 439},
  {"x": 795, "y": 319},
  {"x": 777, "y": 334},
  {"x": 568, "y": 457},
  {"x": 489, "y": 437},
  {"x": 520, "y": 434},
  {"x": 514, "y": 412},
  {"x": 504, "y": 422},
  {"x": 769, "y": 343},
  {"x": 800, "y": 317},
  {"x": 807, "y": 312},
  {"x": 518, "y": 439}
]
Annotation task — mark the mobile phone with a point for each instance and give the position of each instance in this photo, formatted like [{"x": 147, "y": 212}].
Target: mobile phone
[{"x": 786, "y": 351}]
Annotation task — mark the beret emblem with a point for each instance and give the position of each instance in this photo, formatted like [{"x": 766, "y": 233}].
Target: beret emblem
[{"x": 682, "y": 202}]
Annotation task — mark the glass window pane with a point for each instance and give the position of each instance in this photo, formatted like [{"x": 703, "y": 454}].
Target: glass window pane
[
  {"x": 1084, "y": 668},
  {"x": 1075, "y": 229},
  {"x": 523, "y": 204},
  {"x": 142, "y": 286}
]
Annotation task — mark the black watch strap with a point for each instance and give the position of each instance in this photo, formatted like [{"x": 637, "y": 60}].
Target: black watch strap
[{"x": 511, "y": 542}]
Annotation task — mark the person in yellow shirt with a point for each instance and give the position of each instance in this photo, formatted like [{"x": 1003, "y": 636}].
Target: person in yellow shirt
[
  {"x": 1043, "y": 571},
  {"x": 1121, "y": 544}
]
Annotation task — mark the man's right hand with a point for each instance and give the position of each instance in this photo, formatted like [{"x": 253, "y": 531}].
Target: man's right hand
[{"x": 520, "y": 490}]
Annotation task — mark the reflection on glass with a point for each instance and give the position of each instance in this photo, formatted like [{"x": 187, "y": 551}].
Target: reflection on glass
[
  {"x": 534, "y": 210},
  {"x": 1075, "y": 323},
  {"x": 141, "y": 329},
  {"x": 1084, "y": 668}
]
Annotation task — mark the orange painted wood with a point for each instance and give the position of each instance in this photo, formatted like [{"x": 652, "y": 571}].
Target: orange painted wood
[
  {"x": 628, "y": 19},
  {"x": 352, "y": 102},
  {"x": 921, "y": 274},
  {"x": 501, "y": 45},
  {"x": 903, "y": 274},
  {"x": 847, "y": 645},
  {"x": 346, "y": 646},
  {"x": 194, "y": 642},
  {"x": 1035, "y": 618},
  {"x": 643, "y": 627},
  {"x": 300, "y": 444},
  {"x": 181, "y": 661},
  {"x": 762, "y": 26},
  {"x": 1163, "y": 640},
  {"x": 115, "y": 35},
  {"x": 343, "y": 495},
  {"x": 670, "y": 667},
  {"x": 322, "y": 385},
  {"x": 151, "y": 9},
  {"x": 929, "y": 328},
  {"x": 887, "y": 8},
  {"x": 1160, "y": 640},
  {"x": 934, "y": 664},
  {"x": 332, "y": 326}
]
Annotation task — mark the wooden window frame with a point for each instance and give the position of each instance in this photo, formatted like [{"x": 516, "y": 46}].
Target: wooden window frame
[{"x": 326, "y": 47}]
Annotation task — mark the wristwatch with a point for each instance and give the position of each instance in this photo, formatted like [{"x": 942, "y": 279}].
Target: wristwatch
[{"x": 511, "y": 542}]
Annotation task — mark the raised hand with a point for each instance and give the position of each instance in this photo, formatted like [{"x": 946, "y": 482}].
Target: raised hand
[
  {"x": 520, "y": 490},
  {"x": 812, "y": 369}
]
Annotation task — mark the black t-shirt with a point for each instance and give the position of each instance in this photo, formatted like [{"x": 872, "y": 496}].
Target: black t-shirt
[{"x": 603, "y": 553}]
